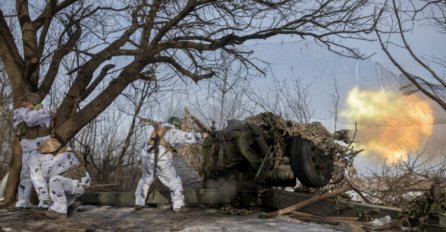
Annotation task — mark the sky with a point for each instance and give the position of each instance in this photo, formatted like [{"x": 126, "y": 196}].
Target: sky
[{"x": 319, "y": 68}]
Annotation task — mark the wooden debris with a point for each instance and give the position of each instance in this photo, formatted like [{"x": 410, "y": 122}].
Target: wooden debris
[
  {"x": 357, "y": 189},
  {"x": 350, "y": 222}
]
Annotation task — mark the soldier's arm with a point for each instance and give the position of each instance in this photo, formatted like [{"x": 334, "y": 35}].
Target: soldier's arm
[{"x": 176, "y": 136}]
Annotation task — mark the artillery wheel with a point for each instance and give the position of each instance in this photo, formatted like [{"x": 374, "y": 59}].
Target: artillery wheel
[{"x": 310, "y": 165}]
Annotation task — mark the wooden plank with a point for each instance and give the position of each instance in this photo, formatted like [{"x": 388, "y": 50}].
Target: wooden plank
[
  {"x": 108, "y": 198},
  {"x": 275, "y": 199},
  {"x": 192, "y": 197}
]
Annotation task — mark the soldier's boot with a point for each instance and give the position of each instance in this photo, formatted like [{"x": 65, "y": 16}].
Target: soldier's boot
[
  {"x": 43, "y": 206},
  {"x": 139, "y": 207},
  {"x": 179, "y": 210},
  {"x": 55, "y": 215}
]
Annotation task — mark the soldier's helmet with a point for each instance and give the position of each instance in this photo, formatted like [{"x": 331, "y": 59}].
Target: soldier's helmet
[
  {"x": 175, "y": 121},
  {"x": 49, "y": 146},
  {"x": 34, "y": 98}
]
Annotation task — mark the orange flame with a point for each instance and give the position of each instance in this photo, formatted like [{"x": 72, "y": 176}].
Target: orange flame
[{"x": 389, "y": 124}]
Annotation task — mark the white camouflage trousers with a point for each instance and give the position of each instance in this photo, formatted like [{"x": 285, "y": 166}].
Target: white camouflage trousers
[
  {"x": 166, "y": 173},
  {"x": 64, "y": 191},
  {"x": 31, "y": 174}
]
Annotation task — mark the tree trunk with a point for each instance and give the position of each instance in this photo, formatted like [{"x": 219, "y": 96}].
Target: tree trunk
[{"x": 15, "y": 168}]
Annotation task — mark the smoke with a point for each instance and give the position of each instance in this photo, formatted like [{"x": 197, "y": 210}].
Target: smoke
[
  {"x": 436, "y": 144},
  {"x": 390, "y": 125},
  {"x": 226, "y": 187}
]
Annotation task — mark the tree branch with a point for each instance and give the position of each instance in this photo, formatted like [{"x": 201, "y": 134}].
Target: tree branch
[
  {"x": 61, "y": 51},
  {"x": 195, "y": 77},
  {"x": 96, "y": 82},
  {"x": 409, "y": 49}
]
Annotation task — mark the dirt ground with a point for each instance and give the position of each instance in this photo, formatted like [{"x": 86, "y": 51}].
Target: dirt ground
[{"x": 107, "y": 218}]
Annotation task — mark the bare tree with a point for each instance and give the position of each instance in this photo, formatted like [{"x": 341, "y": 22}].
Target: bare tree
[
  {"x": 5, "y": 122},
  {"x": 335, "y": 97},
  {"x": 404, "y": 19},
  {"x": 225, "y": 94},
  {"x": 116, "y": 43},
  {"x": 397, "y": 184},
  {"x": 289, "y": 98},
  {"x": 300, "y": 103}
]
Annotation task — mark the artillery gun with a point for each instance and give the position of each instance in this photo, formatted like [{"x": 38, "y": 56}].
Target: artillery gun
[{"x": 270, "y": 151}]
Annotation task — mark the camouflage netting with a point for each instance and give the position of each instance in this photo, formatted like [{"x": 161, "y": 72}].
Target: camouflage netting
[
  {"x": 190, "y": 152},
  {"x": 280, "y": 129},
  {"x": 315, "y": 132}
]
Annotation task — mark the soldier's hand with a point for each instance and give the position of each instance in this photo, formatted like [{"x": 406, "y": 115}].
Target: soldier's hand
[{"x": 205, "y": 135}]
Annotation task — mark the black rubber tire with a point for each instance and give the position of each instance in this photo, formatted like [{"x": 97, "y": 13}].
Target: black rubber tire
[{"x": 310, "y": 165}]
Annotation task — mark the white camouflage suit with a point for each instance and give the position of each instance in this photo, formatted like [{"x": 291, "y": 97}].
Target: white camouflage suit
[
  {"x": 63, "y": 190},
  {"x": 31, "y": 173},
  {"x": 165, "y": 170}
]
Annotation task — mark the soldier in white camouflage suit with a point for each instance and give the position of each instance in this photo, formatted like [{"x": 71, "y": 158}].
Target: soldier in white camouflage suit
[
  {"x": 170, "y": 138},
  {"x": 68, "y": 177},
  {"x": 32, "y": 126}
]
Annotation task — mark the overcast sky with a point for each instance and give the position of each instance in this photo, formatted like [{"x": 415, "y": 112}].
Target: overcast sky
[{"x": 319, "y": 67}]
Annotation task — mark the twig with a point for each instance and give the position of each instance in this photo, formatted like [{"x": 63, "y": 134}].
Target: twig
[{"x": 357, "y": 189}]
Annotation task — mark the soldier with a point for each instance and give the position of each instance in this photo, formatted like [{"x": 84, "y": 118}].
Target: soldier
[
  {"x": 157, "y": 160},
  {"x": 32, "y": 126},
  {"x": 68, "y": 177}
]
